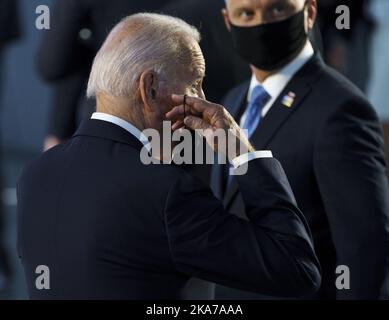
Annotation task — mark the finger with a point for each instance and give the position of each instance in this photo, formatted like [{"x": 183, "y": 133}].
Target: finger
[
  {"x": 178, "y": 125},
  {"x": 194, "y": 123},
  {"x": 180, "y": 111},
  {"x": 194, "y": 103},
  {"x": 178, "y": 98},
  {"x": 176, "y": 112}
]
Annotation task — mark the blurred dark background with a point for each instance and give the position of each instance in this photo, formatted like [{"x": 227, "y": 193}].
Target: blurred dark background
[{"x": 43, "y": 76}]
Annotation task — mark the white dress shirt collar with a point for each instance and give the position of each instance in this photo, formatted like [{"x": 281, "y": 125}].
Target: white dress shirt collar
[
  {"x": 123, "y": 124},
  {"x": 277, "y": 82},
  {"x": 142, "y": 138}
]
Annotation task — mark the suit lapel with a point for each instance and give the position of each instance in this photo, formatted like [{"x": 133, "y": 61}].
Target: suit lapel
[
  {"x": 234, "y": 105},
  {"x": 300, "y": 86},
  {"x": 278, "y": 114}
]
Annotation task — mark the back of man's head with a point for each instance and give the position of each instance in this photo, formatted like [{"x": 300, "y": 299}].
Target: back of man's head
[{"x": 140, "y": 42}]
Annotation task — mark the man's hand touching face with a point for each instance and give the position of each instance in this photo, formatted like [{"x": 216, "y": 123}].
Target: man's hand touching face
[{"x": 199, "y": 114}]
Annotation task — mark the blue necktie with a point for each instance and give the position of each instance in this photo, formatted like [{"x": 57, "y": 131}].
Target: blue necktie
[{"x": 258, "y": 100}]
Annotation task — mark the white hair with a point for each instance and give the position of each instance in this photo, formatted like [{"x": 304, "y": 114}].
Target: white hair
[{"x": 140, "y": 42}]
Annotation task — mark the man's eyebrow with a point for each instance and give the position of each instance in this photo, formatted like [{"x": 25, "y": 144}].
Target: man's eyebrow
[
  {"x": 241, "y": 7},
  {"x": 200, "y": 74},
  {"x": 274, "y": 3},
  {"x": 244, "y": 6}
]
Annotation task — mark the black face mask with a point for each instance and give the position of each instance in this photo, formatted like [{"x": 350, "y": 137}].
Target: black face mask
[{"x": 271, "y": 46}]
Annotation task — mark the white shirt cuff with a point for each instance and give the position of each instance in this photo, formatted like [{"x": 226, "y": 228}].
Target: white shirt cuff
[{"x": 244, "y": 158}]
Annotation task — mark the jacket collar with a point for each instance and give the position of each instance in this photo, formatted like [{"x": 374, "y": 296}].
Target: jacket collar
[{"x": 109, "y": 131}]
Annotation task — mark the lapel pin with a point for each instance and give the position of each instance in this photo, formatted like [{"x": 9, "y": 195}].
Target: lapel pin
[{"x": 288, "y": 99}]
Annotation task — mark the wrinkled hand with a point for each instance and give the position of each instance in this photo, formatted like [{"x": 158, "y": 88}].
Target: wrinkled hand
[{"x": 199, "y": 114}]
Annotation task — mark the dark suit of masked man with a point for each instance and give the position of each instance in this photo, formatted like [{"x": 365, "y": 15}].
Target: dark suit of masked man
[{"x": 327, "y": 137}]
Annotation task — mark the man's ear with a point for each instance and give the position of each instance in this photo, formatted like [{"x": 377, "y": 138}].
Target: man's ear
[
  {"x": 148, "y": 88},
  {"x": 312, "y": 13},
  {"x": 226, "y": 19}
]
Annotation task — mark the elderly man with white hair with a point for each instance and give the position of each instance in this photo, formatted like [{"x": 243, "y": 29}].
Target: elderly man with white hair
[{"x": 95, "y": 222}]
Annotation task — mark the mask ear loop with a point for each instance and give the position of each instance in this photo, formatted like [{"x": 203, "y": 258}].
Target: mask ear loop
[{"x": 184, "y": 103}]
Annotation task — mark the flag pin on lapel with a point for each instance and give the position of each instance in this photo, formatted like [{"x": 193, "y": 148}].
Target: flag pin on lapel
[{"x": 288, "y": 99}]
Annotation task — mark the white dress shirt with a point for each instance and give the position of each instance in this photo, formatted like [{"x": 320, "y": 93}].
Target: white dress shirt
[
  {"x": 277, "y": 82},
  {"x": 124, "y": 125},
  {"x": 237, "y": 162}
]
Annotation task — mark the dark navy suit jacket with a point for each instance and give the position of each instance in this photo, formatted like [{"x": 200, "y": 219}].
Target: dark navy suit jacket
[
  {"x": 110, "y": 227},
  {"x": 331, "y": 147}
]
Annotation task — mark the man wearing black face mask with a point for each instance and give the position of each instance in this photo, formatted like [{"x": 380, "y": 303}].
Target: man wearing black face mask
[{"x": 327, "y": 137}]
